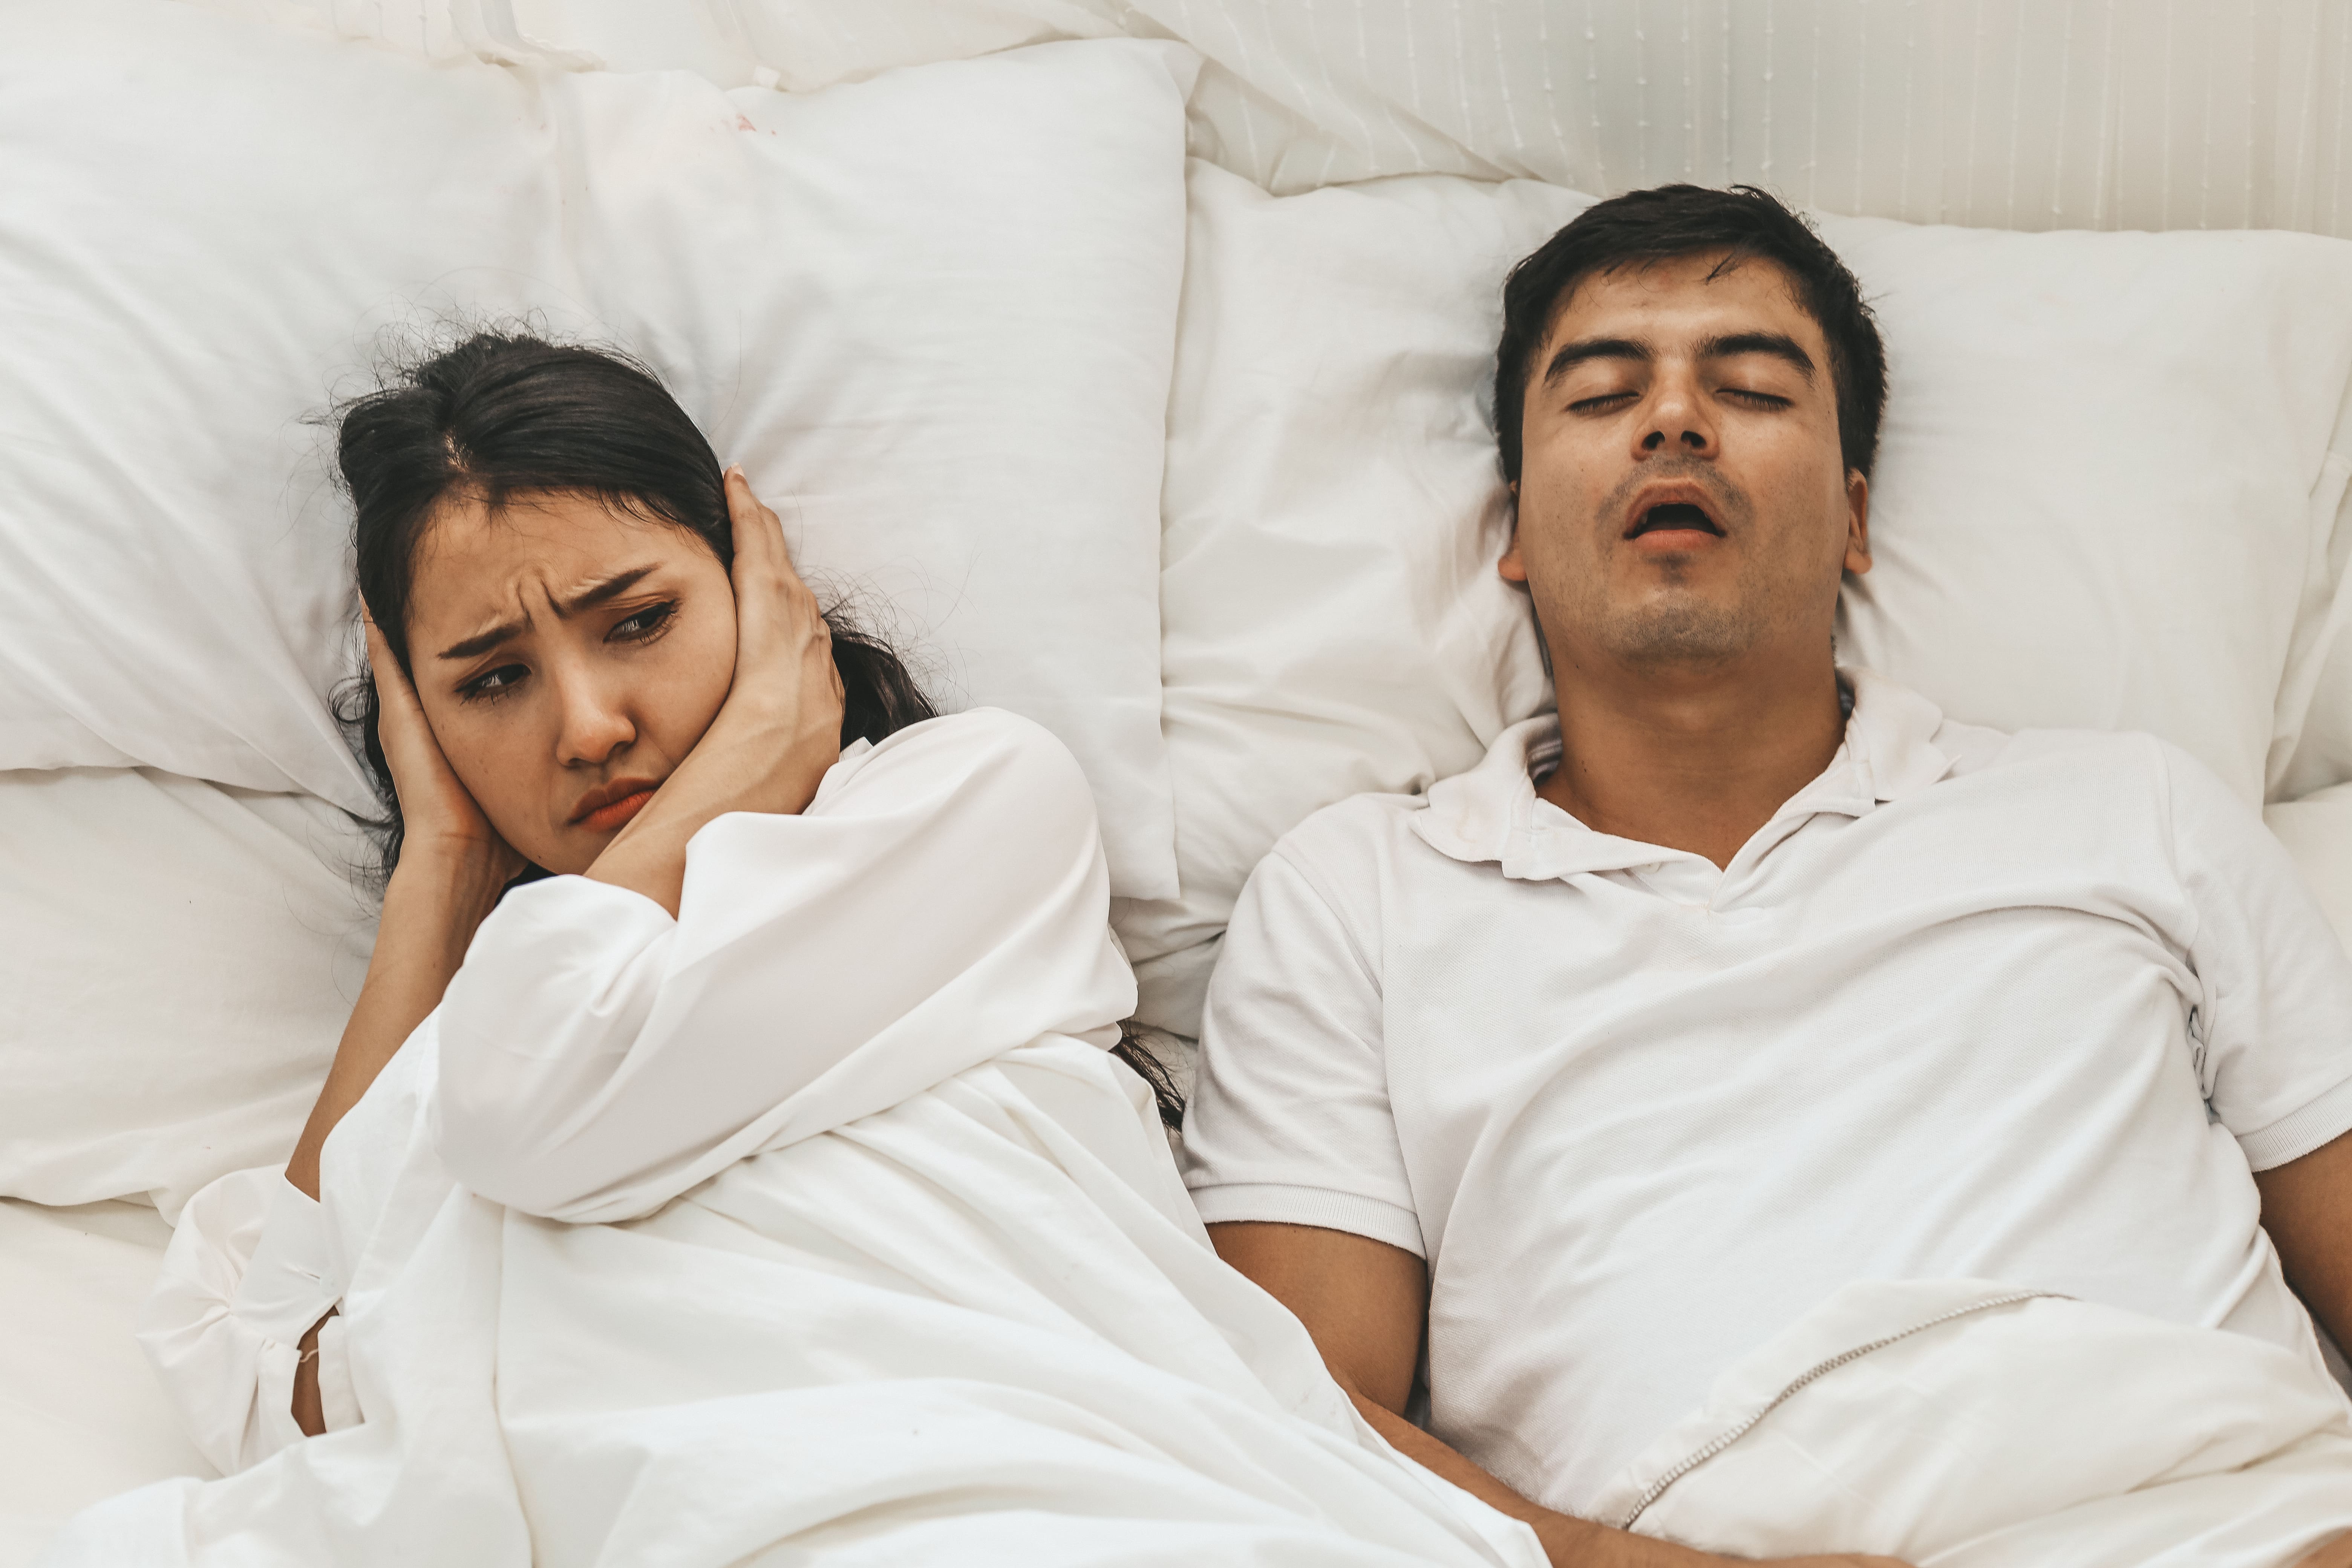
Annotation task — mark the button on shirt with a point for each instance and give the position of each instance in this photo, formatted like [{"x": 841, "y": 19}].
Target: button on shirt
[{"x": 2027, "y": 1009}]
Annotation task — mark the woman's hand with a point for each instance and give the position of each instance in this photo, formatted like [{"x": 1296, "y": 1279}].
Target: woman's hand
[
  {"x": 780, "y": 727},
  {"x": 440, "y": 823},
  {"x": 773, "y": 738},
  {"x": 453, "y": 866}
]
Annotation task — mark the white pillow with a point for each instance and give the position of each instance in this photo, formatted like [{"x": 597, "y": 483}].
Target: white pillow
[
  {"x": 2105, "y": 487},
  {"x": 932, "y": 314},
  {"x": 179, "y": 959},
  {"x": 2317, "y": 831},
  {"x": 1332, "y": 623},
  {"x": 2104, "y": 493}
]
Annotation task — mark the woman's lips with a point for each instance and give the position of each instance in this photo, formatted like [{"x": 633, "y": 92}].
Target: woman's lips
[{"x": 606, "y": 818}]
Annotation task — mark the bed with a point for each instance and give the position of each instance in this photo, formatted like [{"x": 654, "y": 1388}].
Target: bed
[{"x": 1133, "y": 356}]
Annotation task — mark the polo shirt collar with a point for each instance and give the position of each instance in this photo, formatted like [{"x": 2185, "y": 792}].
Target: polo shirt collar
[{"x": 1493, "y": 813}]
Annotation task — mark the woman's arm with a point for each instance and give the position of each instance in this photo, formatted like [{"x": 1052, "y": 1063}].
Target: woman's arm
[{"x": 430, "y": 913}]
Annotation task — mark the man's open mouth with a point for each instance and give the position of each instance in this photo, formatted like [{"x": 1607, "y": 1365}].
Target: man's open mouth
[{"x": 1674, "y": 514}]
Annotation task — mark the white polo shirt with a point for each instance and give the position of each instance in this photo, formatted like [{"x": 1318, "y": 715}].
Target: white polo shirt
[{"x": 2024, "y": 1008}]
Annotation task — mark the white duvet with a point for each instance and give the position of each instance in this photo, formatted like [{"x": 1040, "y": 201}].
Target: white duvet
[
  {"x": 1964, "y": 1424},
  {"x": 831, "y": 1234},
  {"x": 870, "y": 1253}
]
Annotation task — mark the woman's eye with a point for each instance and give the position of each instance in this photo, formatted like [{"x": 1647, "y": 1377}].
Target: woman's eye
[
  {"x": 493, "y": 683},
  {"x": 644, "y": 623}
]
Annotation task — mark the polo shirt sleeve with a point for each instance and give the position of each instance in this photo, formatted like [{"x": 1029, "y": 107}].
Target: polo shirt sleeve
[
  {"x": 1289, "y": 1119},
  {"x": 2273, "y": 1026}
]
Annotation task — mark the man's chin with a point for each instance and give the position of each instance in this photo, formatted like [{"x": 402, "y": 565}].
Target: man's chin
[{"x": 1685, "y": 635}]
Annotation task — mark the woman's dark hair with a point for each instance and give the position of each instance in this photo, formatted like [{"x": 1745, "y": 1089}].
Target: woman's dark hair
[
  {"x": 1644, "y": 226},
  {"x": 505, "y": 415}
]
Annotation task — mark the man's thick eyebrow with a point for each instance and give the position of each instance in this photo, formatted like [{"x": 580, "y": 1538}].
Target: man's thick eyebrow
[
  {"x": 1778, "y": 344},
  {"x": 1568, "y": 356},
  {"x": 588, "y": 598}
]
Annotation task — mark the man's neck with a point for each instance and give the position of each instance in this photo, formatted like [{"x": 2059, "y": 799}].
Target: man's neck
[{"x": 1692, "y": 760}]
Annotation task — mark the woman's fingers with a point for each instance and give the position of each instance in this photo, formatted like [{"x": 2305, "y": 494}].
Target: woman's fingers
[
  {"x": 744, "y": 509},
  {"x": 432, "y": 803},
  {"x": 391, "y": 687},
  {"x": 759, "y": 531},
  {"x": 786, "y": 683},
  {"x": 777, "y": 622},
  {"x": 399, "y": 717}
]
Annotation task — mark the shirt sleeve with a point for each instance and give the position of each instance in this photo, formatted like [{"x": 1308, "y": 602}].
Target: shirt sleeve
[
  {"x": 2273, "y": 1027},
  {"x": 942, "y": 900},
  {"x": 1290, "y": 1121},
  {"x": 249, "y": 1269}
]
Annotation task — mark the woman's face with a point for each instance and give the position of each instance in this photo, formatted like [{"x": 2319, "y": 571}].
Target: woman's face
[{"x": 568, "y": 658}]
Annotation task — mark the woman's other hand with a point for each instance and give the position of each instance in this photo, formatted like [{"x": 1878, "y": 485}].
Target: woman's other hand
[
  {"x": 780, "y": 727},
  {"x": 773, "y": 738},
  {"x": 442, "y": 828}
]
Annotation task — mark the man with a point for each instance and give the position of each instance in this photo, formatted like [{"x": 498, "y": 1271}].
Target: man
[{"x": 1746, "y": 977}]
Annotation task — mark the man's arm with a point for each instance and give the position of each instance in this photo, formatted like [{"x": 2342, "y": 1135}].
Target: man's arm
[
  {"x": 1365, "y": 1303},
  {"x": 2307, "y": 1209}
]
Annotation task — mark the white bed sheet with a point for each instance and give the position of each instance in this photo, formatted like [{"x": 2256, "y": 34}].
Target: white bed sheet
[{"x": 82, "y": 1415}]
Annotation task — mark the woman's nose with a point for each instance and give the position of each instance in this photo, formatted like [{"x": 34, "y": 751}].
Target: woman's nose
[{"x": 594, "y": 724}]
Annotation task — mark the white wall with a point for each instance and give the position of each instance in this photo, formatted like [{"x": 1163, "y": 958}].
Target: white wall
[{"x": 1999, "y": 113}]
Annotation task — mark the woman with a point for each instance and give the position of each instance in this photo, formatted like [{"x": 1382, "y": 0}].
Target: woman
[{"x": 759, "y": 1183}]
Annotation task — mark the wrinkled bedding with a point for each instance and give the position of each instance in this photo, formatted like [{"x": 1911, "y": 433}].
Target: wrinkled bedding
[
  {"x": 81, "y": 1416},
  {"x": 937, "y": 1296},
  {"x": 1967, "y": 1424}
]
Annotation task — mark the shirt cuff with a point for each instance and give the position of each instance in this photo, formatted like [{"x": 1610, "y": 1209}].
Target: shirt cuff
[
  {"x": 2293, "y": 1136},
  {"x": 289, "y": 1282},
  {"x": 1270, "y": 1203}
]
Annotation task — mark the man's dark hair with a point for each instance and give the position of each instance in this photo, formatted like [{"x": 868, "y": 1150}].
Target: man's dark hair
[{"x": 1644, "y": 226}]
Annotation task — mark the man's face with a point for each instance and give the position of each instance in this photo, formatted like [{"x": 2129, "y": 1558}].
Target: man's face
[{"x": 1683, "y": 501}]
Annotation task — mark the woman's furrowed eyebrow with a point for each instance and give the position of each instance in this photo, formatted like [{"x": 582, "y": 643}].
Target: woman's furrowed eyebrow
[{"x": 588, "y": 598}]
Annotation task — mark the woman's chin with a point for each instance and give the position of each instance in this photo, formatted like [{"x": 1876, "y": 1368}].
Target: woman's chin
[{"x": 575, "y": 850}]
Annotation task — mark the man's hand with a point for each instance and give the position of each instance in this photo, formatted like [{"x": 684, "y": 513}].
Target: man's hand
[
  {"x": 1365, "y": 1303},
  {"x": 775, "y": 735},
  {"x": 2336, "y": 1554}
]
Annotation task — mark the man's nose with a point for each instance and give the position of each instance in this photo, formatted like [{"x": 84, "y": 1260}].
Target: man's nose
[
  {"x": 1679, "y": 421},
  {"x": 1688, "y": 440}
]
